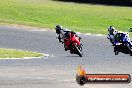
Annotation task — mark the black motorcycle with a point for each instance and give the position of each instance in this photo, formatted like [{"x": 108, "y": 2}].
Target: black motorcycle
[{"x": 124, "y": 48}]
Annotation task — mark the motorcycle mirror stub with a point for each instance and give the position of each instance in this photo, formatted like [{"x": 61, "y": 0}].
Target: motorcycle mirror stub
[{"x": 83, "y": 78}]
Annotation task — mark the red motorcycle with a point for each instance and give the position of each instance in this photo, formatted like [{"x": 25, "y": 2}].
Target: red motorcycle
[{"x": 73, "y": 44}]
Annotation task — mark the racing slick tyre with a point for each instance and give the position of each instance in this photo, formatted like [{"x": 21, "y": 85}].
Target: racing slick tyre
[
  {"x": 78, "y": 51},
  {"x": 80, "y": 47},
  {"x": 116, "y": 50},
  {"x": 131, "y": 54},
  {"x": 129, "y": 50},
  {"x": 128, "y": 47}
]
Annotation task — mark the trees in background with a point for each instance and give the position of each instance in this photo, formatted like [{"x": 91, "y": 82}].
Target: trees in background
[{"x": 110, "y": 2}]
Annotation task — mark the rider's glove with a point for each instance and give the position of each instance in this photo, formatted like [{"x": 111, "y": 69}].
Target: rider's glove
[{"x": 108, "y": 36}]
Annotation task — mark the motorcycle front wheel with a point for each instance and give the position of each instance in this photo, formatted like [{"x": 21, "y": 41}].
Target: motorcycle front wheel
[
  {"x": 78, "y": 51},
  {"x": 116, "y": 50}
]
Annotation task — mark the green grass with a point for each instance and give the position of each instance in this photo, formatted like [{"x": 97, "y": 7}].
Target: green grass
[
  {"x": 77, "y": 17},
  {"x": 12, "y": 53}
]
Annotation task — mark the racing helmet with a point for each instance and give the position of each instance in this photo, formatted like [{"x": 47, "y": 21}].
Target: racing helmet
[
  {"x": 111, "y": 29},
  {"x": 58, "y": 28}
]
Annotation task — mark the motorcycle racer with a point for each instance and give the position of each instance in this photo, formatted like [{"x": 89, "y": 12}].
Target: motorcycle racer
[
  {"x": 64, "y": 33},
  {"x": 112, "y": 32}
]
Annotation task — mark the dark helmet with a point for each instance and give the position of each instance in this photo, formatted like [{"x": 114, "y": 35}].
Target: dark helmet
[
  {"x": 111, "y": 29},
  {"x": 58, "y": 28}
]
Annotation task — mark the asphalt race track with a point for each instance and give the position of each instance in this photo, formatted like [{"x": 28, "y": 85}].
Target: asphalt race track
[{"x": 59, "y": 69}]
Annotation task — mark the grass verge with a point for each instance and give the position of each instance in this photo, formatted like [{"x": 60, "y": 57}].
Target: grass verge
[
  {"x": 78, "y": 17},
  {"x": 13, "y": 53}
]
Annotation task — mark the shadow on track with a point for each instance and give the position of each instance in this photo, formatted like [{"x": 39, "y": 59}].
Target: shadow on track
[{"x": 71, "y": 56}]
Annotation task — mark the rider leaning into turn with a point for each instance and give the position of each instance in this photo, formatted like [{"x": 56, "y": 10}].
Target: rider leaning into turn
[
  {"x": 64, "y": 33},
  {"x": 112, "y": 32},
  {"x": 115, "y": 35}
]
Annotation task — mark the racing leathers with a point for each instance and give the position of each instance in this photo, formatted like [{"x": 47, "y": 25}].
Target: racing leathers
[{"x": 111, "y": 36}]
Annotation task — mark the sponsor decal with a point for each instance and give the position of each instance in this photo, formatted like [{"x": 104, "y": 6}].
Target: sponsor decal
[{"x": 83, "y": 78}]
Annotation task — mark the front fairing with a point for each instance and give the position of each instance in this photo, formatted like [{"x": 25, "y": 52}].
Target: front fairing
[
  {"x": 69, "y": 42},
  {"x": 76, "y": 40}
]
